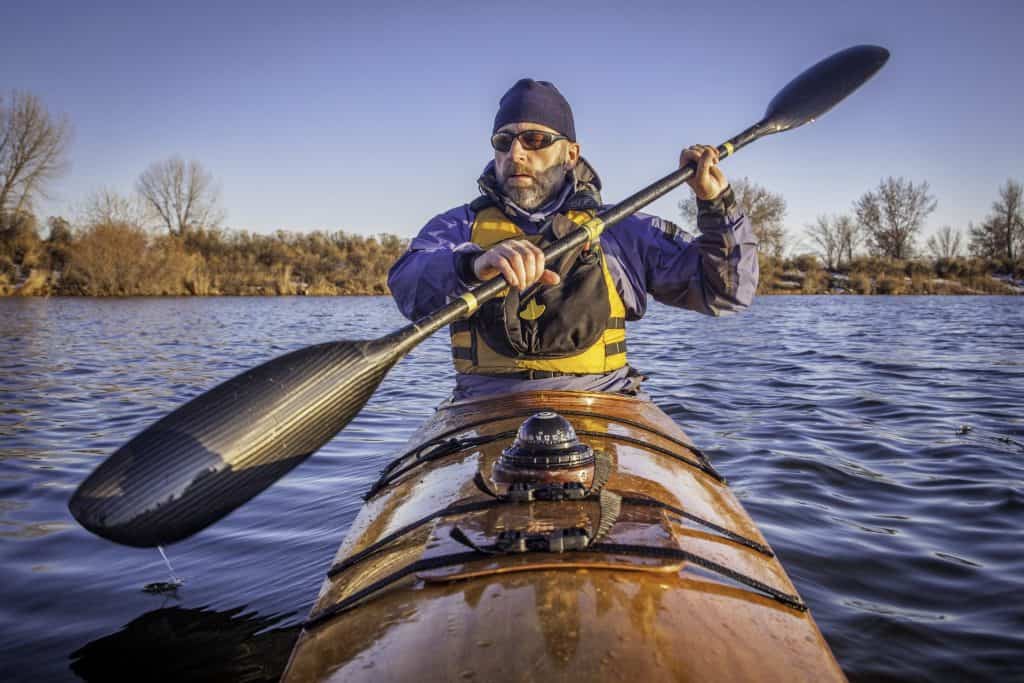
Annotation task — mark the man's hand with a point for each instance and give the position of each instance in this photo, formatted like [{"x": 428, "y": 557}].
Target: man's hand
[
  {"x": 709, "y": 181},
  {"x": 520, "y": 261}
]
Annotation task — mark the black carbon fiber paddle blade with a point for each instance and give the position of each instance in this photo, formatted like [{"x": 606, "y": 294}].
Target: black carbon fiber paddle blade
[
  {"x": 822, "y": 87},
  {"x": 222, "y": 448}
]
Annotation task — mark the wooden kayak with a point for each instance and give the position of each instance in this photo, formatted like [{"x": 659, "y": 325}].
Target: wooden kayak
[{"x": 643, "y": 566}]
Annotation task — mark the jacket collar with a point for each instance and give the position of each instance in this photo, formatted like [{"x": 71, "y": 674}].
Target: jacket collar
[{"x": 581, "y": 191}]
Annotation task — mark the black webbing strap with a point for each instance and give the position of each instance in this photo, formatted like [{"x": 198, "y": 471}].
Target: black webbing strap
[
  {"x": 533, "y": 374},
  {"x": 497, "y": 500},
  {"x": 440, "y": 447},
  {"x": 703, "y": 465},
  {"x": 419, "y": 566},
  {"x": 516, "y": 541},
  {"x": 464, "y": 353},
  {"x": 464, "y": 325},
  {"x": 525, "y": 493},
  {"x": 730, "y": 535},
  {"x": 376, "y": 547},
  {"x": 655, "y": 552},
  {"x": 678, "y": 554},
  {"x": 432, "y": 450}
]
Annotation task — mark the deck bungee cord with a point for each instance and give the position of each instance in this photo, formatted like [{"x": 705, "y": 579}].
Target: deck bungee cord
[
  {"x": 571, "y": 539},
  {"x": 444, "y": 445},
  {"x": 549, "y": 442}
]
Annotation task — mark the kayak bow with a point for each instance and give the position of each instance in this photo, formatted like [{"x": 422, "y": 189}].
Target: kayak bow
[{"x": 596, "y": 551}]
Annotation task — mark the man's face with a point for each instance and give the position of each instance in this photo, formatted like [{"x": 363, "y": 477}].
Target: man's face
[{"x": 530, "y": 178}]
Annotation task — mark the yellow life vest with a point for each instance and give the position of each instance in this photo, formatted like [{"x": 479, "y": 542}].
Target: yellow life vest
[{"x": 535, "y": 337}]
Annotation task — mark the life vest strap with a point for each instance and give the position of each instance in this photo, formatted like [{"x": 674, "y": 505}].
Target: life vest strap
[
  {"x": 466, "y": 326},
  {"x": 615, "y": 349}
]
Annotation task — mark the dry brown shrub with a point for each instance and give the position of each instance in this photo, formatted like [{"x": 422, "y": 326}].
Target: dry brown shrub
[
  {"x": 815, "y": 282},
  {"x": 769, "y": 268},
  {"x": 107, "y": 260},
  {"x": 921, "y": 283},
  {"x": 321, "y": 286},
  {"x": 888, "y": 284},
  {"x": 861, "y": 283},
  {"x": 282, "y": 280}
]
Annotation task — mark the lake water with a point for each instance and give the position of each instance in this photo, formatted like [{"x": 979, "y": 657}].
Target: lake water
[{"x": 878, "y": 442}]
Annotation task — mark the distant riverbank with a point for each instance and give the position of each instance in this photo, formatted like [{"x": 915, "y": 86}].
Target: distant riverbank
[
  {"x": 794, "y": 282},
  {"x": 121, "y": 259},
  {"x": 872, "y": 275}
]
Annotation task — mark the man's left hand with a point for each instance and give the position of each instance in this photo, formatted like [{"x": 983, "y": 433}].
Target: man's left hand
[{"x": 709, "y": 181}]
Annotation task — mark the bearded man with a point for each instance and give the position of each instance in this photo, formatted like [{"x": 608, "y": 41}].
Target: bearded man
[{"x": 562, "y": 326}]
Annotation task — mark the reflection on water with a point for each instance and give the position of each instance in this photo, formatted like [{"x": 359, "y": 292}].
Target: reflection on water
[
  {"x": 878, "y": 443},
  {"x": 181, "y": 644}
]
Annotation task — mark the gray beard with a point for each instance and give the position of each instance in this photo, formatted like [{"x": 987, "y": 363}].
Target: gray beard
[{"x": 545, "y": 186}]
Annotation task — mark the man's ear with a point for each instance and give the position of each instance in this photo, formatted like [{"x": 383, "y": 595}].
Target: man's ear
[{"x": 573, "y": 156}]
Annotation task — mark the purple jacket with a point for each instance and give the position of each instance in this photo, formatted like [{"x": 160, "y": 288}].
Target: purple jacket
[{"x": 715, "y": 273}]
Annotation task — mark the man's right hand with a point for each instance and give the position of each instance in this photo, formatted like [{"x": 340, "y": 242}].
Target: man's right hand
[{"x": 520, "y": 261}]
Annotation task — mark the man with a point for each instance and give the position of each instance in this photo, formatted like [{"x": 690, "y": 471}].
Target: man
[{"x": 563, "y": 326}]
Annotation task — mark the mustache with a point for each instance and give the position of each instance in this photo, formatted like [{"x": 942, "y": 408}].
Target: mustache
[{"x": 517, "y": 169}]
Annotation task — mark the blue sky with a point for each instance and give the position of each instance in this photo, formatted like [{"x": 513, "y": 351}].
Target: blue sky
[{"x": 373, "y": 119}]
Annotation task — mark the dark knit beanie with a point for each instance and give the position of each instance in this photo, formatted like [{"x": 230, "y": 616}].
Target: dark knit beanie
[{"x": 536, "y": 102}]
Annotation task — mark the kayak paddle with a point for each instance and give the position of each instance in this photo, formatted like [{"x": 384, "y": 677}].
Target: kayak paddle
[{"x": 223, "y": 447}]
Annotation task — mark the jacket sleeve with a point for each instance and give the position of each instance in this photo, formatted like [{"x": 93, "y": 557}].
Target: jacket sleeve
[
  {"x": 435, "y": 267},
  {"x": 715, "y": 273}
]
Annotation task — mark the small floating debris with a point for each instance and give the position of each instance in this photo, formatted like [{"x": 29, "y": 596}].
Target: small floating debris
[
  {"x": 162, "y": 587},
  {"x": 963, "y": 429}
]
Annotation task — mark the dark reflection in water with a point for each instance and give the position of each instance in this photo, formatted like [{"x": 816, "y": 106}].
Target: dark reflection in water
[
  {"x": 179, "y": 644},
  {"x": 878, "y": 443}
]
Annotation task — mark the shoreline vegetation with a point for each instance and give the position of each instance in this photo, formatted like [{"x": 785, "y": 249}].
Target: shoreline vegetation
[
  {"x": 121, "y": 259},
  {"x": 166, "y": 236}
]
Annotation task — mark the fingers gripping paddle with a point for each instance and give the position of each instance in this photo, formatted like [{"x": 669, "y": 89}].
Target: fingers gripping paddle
[{"x": 217, "y": 451}]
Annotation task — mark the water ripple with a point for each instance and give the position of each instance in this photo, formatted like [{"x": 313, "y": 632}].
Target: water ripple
[{"x": 877, "y": 442}]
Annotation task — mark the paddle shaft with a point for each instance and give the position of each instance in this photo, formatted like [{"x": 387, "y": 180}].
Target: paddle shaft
[{"x": 467, "y": 304}]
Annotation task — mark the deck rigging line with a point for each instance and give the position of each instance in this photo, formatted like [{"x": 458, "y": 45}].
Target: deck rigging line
[{"x": 442, "y": 445}]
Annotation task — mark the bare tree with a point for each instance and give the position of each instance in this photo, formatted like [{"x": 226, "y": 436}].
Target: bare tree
[
  {"x": 33, "y": 147},
  {"x": 107, "y": 207},
  {"x": 765, "y": 210},
  {"x": 945, "y": 244},
  {"x": 1001, "y": 234},
  {"x": 850, "y": 237},
  {"x": 182, "y": 195},
  {"x": 825, "y": 235},
  {"x": 892, "y": 215}
]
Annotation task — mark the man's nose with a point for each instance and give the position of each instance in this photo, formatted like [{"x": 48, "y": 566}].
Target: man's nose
[{"x": 517, "y": 151}]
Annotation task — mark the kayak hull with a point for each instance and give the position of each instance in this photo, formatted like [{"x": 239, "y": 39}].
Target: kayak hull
[{"x": 704, "y": 606}]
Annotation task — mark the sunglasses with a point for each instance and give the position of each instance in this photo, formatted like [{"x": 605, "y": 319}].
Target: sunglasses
[{"x": 530, "y": 139}]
